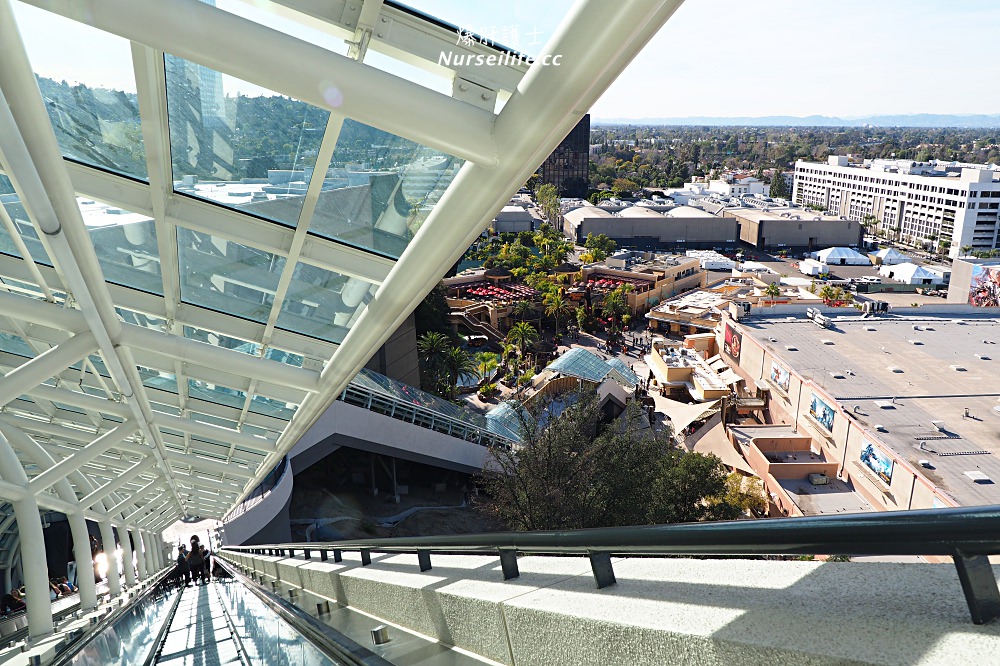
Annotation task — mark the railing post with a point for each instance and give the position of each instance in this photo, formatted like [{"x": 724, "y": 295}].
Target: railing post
[
  {"x": 366, "y": 557},
  {"x": 424, "y": 559},
  {"x": 979, "y": 586},
  {"x": 604, "y": 572},
  {"x": 338, "y": 556},
  {"x": 508, "y": 563},
  {"x": 323, "y": 555}
]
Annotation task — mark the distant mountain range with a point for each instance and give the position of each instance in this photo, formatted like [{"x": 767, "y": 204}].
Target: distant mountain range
[{"x": 910, "y": 120}]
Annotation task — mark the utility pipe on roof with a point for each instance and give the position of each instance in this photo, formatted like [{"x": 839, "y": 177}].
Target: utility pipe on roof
[{"x": 596, "y": 41}]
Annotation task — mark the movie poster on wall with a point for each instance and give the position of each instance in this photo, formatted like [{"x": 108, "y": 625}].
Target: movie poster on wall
[
  {"x": 877, "y": 461},
  {"x": 780, "y": 376},
  {"x": 984, "y": 288},
  {"x": 822, "y": 412},
  {"x": 733, "y": 342}
]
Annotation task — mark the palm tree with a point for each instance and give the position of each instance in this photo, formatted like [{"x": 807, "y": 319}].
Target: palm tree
[
  {"x": 432, "y": 348},
  {"x": 522, "y": 334},
  {"x": 458, "y": 365},
  {"x": 556, "y": 306},
  {"x": 773, "y": 290},
  {"x": 486, "y": 363},
  {"x": 966, "y": 249},
  {"x": 523, "y": 309},
  {"x": 613, "y": 306},
  {"x": 826, "y": 292}
]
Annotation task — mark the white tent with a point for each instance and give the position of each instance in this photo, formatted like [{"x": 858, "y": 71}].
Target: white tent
[
  {"x": 841, "y": 256},
  {"x": 890, "y": 256},
  {"x": 910, "y": 273}
]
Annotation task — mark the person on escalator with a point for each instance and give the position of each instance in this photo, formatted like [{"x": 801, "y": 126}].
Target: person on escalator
[
  {"x": 183, "y": 571},
  {"x": 12, "y": 602},
  {"x": 196, "y": 560}
]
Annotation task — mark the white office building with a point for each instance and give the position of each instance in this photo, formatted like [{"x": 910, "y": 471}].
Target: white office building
[{"x": 933, "y": 205}]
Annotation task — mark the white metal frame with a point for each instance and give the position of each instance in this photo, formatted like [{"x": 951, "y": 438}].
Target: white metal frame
[{"x": 126, "y": 455}]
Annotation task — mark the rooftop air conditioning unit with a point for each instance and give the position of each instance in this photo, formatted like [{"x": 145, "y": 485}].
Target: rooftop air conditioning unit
[{"x": 819, "y": 479}]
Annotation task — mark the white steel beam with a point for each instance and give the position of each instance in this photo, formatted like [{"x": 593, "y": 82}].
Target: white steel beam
[
  {"x": 120, "y": 482},
  {"x": 74, "y": 461},
  {"x": 597, "y": 41},
  {"x": 40, "y": 368},
  {"x": 266, "y": 57}
]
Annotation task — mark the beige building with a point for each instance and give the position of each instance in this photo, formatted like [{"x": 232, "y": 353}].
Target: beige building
[
  {"x": 794, "y": 229},
  {"x": 655, "y": 277},
  {"x": 892, "y": 412},
  {"x": 644, "y": 227}
]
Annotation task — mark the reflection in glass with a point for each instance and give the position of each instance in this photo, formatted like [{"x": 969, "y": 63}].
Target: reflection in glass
[
  {"x": 125, "y": 244},
  {"x": 222, "y": 395},
  {"x": 320, "y": 303},
  {"x": 89, "y": 91},
  {"x": 380, "y": 188},
  {"x": 227, "y": 277},
  {"x": 19, "y": 216},
  {"x": 255, "y": 154}
]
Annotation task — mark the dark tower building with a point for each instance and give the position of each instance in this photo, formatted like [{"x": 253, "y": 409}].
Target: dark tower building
[{"x": 568, "y": 167}]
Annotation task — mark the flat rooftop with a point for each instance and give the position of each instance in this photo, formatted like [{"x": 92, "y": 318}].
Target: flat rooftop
[
  {"x": 904, "y": 372},
  {"x": 835, "y": 496}
]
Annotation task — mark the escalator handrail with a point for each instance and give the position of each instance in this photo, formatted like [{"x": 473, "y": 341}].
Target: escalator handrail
[
  {"x": 328, "y": 640},
  {"x": 70, "y": 649}
]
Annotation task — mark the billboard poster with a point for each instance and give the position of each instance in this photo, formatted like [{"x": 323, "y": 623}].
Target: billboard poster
[
  {"x": 877, "y": 461},
  {"x": 822, "y": 412},
  {"x": 733, "y": 342},
  {"x": 984, "y": 288},
  {"x": 780, "y": 376}
]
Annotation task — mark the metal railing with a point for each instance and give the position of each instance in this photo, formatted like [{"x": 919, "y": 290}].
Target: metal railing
[
  {"x": 421, "y": 416},
  {"x": 266, "y": 485},
  {"x": 968, "y": 535}
]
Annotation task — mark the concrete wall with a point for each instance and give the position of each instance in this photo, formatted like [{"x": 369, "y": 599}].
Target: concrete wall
[
  {"x": 677, "y": 611},
  {"x": 397, "y": 358}
]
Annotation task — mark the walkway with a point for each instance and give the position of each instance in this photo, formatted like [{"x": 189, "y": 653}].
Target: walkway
[{"x": 199, "y": 632}]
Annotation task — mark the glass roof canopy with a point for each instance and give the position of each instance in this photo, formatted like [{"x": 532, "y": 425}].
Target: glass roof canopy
[{"x": 201, "y": 246}]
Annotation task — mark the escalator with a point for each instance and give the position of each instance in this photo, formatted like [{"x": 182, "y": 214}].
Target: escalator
[{"x": 227, "y": 621}]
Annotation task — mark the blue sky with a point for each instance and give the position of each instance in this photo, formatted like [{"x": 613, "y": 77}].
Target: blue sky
[{"x": 845, "y": 58}]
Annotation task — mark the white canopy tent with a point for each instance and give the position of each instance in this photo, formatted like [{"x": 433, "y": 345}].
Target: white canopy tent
[
  {"x": 841, "y": 256},
  {"x": 910, "y": 273}
]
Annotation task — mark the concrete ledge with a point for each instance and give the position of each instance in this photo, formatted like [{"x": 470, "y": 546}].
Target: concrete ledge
[{"x": 663, "y": 611}]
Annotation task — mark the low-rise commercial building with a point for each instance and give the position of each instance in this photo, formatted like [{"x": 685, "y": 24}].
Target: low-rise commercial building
[
  {"x": 903, "y": 405},
  {"x": 645, "y": 228},
  {"x": 794, "y": 229}
]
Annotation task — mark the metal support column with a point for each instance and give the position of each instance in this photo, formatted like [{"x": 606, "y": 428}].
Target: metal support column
[
  {"x": 150, "y": 552},
  {"x": 127, "y": 563},
  {"x": 108, "y": 541},
  {"x": 29, "y": 528},
  {"x": 140, "y": 556}
]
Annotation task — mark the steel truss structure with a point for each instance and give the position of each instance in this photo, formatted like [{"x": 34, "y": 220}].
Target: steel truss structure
[{"x": 138, "y": 400}]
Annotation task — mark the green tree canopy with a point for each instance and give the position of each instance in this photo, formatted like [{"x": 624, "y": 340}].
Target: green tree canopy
[{"x": 575, "y": 471}]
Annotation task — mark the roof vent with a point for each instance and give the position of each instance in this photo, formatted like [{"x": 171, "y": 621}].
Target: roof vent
[
  {"x": 915, "y": 342},
  {"x": 938, "y": 425},
  {"x": 982, "y": 357},
  {"x": 893, "y": 368},
  {"x": 870, "y": 328},
  {"x": 978, "y": 477},
  {"x": 879, "y": 427},
  {"x": 826, "y": 341},
  {"x": 791, "y": 348},
  {"x": 958, "y": 368}
]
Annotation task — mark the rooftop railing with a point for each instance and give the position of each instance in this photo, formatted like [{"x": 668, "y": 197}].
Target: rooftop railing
[{"x": 968, "y": 535}]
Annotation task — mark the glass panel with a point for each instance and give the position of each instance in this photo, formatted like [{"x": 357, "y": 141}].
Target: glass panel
[
  {"x": 284, "y": 357},
  {"x": 19, "y": 216},
  {"x": 251, "y": 153},
  {"x": 379, "y": 189},
  {"x": 227, "y": 277},
  {"x": 141, "y": 319},
  {"x": 220, "y": 340},
  {"x": 320, "y": 303},
  {"x": 265, "y": 15},
  {"x": 125, "y": 244},
  {"x": 214, "y": 420},
  {"x": 89, "y": 90},
  {"x": 13, "y": 344},
  {"x": 157, "y": 379},
  {"x": 222, "y": 395},
  {"x": 270, "y": 407}
]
